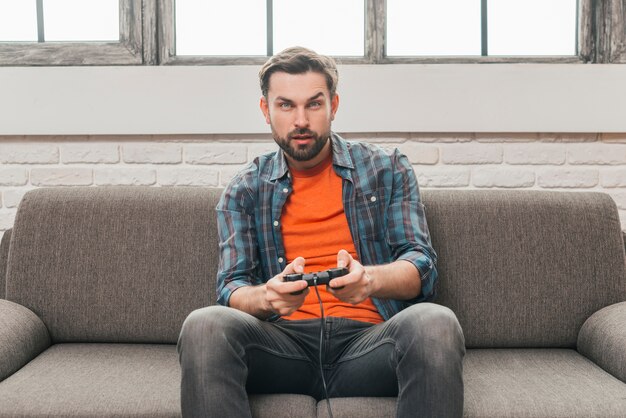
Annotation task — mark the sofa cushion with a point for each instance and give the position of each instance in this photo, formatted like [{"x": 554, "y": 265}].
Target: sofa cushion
[
  {"x": 358, "y": 407},
  {"x": 539, "y": 383},
  {"x": 525, "y": 268},
  {"x": 104, "y": 380},
  {"x": 96, "y": 380},
  {"x": 282, "y": 406},
  {"x": 114, "y": 264}
]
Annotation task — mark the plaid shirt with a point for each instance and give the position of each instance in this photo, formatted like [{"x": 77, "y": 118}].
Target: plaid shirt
[{"x": 381, "y": 202}]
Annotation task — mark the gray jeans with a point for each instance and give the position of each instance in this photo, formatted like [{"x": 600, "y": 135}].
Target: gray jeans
[{"x": 417, "y": 355}]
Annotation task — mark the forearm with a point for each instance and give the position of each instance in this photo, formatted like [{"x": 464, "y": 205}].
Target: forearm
[
  {"x": 399, "y": 280},
  {"x": 252, "y": 300}
]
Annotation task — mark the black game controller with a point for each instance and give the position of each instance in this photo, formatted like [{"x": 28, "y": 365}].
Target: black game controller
[{"x": 321, "y": 277}]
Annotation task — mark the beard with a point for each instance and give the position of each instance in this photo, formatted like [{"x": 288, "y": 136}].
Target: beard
[{"x": 304, "y": 152}]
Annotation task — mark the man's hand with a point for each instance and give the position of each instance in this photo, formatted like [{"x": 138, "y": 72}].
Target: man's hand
[
  {"x": 279, "y": 294},
  {"x": 354, "y": 287}
]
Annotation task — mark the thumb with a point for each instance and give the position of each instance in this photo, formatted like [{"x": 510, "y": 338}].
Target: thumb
[
  {"x": 343, "y": 258},
  {"x": 296, "y": 266}
]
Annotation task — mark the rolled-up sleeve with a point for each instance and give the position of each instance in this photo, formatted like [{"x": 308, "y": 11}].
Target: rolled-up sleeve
[
  {"x": 408, "y": 232},
  {"x": 237, "y": 241}
]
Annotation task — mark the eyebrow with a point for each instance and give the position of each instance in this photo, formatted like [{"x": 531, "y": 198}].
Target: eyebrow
[{"x": 284, "y": 99}]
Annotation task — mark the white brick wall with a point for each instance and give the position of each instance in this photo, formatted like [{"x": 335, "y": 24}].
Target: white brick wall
[{"x": 548, "y": 161}]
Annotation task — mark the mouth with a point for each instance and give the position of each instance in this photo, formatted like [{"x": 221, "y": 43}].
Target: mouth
[{"x": 301, "y": 139}]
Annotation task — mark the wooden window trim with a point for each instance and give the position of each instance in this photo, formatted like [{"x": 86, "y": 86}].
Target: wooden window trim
[
  {"x": 601, "y": 39},
  {"x": 128, "y": 51},
  {"x": 147, "y": 38}
]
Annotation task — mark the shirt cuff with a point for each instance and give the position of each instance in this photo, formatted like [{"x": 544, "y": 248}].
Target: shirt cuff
[{"x": 427, "y": 271}]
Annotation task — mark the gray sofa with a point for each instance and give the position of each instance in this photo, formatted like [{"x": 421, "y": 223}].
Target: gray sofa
[{"x": 96, "y": 282}]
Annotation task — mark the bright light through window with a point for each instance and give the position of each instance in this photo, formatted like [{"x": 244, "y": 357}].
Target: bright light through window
[
  {"x": 532, "y": 27},
  {"x": 80, "y": 20},
  {"x": 18, "y": 20},
  {"x": 331, "y": 27},
  {"x": 233, "y": 27},
  {"x": 426, "y": 27}
]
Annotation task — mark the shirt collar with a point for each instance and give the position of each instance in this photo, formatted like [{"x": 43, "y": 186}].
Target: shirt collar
[{"x": 341, "y": 158}]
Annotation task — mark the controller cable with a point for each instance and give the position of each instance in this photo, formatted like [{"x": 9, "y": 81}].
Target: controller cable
[{"x": 322, "y": 322}]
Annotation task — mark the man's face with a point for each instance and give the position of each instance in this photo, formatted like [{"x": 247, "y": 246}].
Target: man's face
[{"x": 300, "y": 111}]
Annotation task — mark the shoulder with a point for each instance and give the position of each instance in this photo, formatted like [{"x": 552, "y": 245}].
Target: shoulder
[
  {"x": 364, "y": 153},
  {"x": 243, "y": 186}
]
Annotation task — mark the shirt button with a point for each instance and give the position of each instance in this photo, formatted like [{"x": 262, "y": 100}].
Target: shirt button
[
  {"x": 280, "y": 259},
  {"x": 373, "y": 198},
  {"x": 275, "y": 223},
  {"x": 285, "y": 190}
]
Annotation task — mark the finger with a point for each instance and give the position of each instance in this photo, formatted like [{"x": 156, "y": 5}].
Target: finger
[
  {"x": 340, "y": 282},
  {"x": 289, "y": 288},
  {"x": 296, "y": 266},
  {"x": 343, "y": 258}
]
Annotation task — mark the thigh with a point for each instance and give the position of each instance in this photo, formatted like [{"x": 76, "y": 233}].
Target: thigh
[
  {"x": 289, "y": 363},
  {"x": 363, "y": 361},
  {"x": 273, "y": 358},
  {"x": 368, "y": 366}
]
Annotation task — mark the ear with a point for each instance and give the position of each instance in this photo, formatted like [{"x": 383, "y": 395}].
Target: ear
[
  {"x": 334, "y": 105},
  {"x": 265, "y": 108}
]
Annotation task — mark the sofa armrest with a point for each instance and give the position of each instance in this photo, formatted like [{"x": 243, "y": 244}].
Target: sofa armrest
[
  {"x": 22, "y": 337},
  {"x": 4, "y": 255},
  {"x": 602, "y": 339}
]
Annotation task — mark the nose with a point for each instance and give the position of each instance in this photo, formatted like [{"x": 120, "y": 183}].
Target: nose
[{"x": 302, "y": 120}]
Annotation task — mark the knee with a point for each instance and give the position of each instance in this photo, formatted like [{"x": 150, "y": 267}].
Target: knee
[
  {"x": 433, "y": 327},
  {"x": 202, "y": 325}
]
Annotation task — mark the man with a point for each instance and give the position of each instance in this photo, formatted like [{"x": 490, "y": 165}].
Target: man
[{"x": 317, "y": 203}]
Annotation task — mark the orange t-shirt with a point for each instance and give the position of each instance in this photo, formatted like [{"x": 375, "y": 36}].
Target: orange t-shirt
[{"x": 315, "y": 227}]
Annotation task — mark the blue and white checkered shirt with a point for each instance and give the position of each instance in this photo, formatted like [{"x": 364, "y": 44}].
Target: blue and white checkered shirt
[{"x": 380, "y": 199}]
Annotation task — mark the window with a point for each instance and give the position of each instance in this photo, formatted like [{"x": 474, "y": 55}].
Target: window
[
  {"x": 192, "y": 32},
  {"x": 99, "y": 32},
  {"x": 529, "y": 28},
  {"x": 220, "y": 29}
]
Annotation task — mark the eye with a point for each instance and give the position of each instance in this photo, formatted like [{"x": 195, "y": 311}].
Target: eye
[
  {"x": 315, "y": 104},
  {"x": 285, "y": 105}
]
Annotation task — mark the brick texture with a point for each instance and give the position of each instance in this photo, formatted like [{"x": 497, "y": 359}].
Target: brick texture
[
  {"x": 61, "y": 176},
  {"x": 503, "y": 177},
  {"x": 90, "y": 153},
  {"x": 156, "y": 153},
  {"x": 215, "y": 154},
  {"x": 473, "y": 153},
  {"x": 568, "y": 178},
  {"x": 123, "y": 176},
  {"x": 29, "y": 153},
  {"x": 16, "y": 176},
  {"x": 556, "y": 161},
  {"x": 188, "y": 177}
]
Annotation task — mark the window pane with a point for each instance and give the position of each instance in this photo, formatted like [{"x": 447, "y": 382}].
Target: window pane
[
  {"x": 18, "y": 20},
  {"x": 80, "y": 20},
  {"x": 234, "y": 27},
  {"x": 426, "y": 27},
  {"x": 331, "y": 27},
  {"x": 532, "y": 27}
]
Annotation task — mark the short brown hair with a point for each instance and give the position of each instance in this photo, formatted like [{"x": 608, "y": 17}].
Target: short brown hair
[{"x": 299, "y": 60}]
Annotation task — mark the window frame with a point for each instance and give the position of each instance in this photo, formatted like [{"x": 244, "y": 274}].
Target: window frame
[
  {"x": 601, "y": 37},
  {"x": 147, "y": 38},
  {"x": 129, "y": 50}
]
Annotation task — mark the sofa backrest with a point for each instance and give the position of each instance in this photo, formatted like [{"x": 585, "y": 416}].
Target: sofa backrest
[
  {"x": 127, "y": 264},
  {"x": 525, "y": 268},
  {"x": 120, "y": 264}
]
